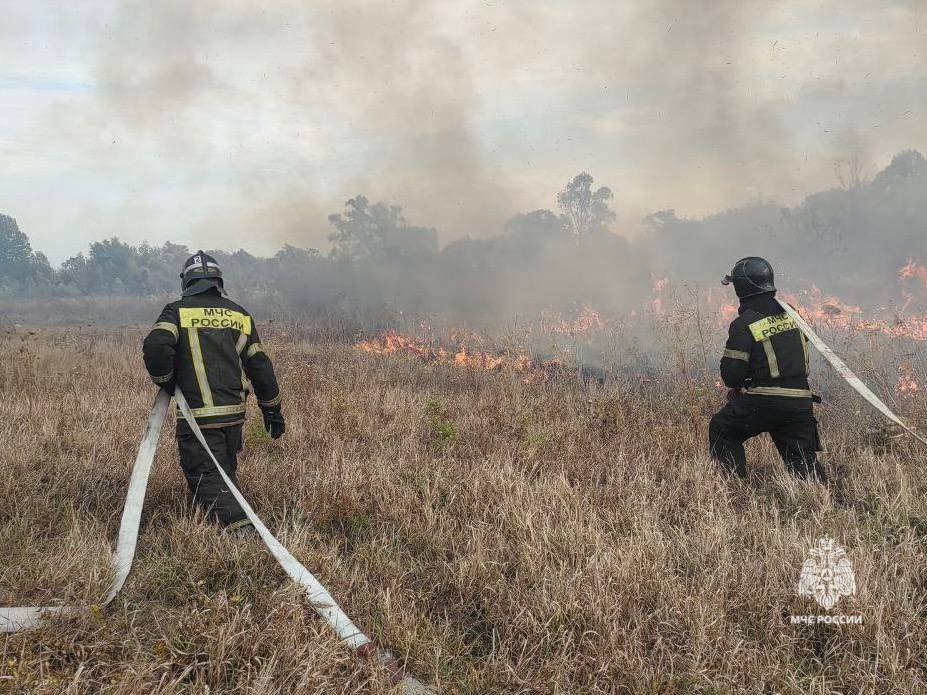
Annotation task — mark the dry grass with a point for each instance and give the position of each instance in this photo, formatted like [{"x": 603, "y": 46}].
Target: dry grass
[{"x": 499, "y": 537}]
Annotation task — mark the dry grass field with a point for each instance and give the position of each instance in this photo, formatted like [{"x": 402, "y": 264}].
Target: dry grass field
[{"x": 497, "y": 536}]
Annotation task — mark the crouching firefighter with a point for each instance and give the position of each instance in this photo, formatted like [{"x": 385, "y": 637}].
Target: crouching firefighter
[
  {"x": 208, "y": 346},
  {"x": 765, "y": 366}
]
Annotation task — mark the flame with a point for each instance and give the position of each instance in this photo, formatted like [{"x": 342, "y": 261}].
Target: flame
[
  {"x": 586, "y": 321},
  {"x": 832, "y": 312},
  {"x": 816, "y": 306},
  {"x": 391, "y": 343},
  {"x": 913, "y": 270},
  {"x": 907, "y": 380},
  {"x": 658, "y": 285},
  {"x": 724, "y": 307}
]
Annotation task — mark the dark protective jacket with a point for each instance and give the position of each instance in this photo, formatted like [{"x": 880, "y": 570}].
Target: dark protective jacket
[
  {"x": 766, "y": 353},
  {"x": 209, "y": 347}
]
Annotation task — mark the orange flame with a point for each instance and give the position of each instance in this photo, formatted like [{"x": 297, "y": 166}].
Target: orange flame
[
  {"x": 586, "y": 321},
  {"x": 907, "y": 380},
  {"x": 912, "y": 270},
  {"x": 391, "y": 343}
]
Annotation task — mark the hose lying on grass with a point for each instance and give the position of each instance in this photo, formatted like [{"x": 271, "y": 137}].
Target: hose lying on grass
[
  {"x": 13, "y": 619},
  {"x": 21, "y": 618}
]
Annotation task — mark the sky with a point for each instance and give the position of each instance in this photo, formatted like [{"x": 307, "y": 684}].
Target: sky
[{"x": 245, "y": 123}]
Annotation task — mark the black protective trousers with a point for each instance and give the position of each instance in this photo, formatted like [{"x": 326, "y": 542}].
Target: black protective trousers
[
  {"x": 206, "y": 485},
  {"x": 789, "y": 421}
]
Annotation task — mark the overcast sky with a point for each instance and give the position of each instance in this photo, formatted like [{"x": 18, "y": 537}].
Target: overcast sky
[{"x": 244, "y": 123}]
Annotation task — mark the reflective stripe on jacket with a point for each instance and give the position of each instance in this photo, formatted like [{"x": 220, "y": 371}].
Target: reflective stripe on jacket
[
  {"x": 765, "y": 351},
  {"x": 210, "y": 346}
]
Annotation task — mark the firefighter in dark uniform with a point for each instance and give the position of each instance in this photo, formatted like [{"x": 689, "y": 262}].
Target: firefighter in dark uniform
[
  {"x": 766, "y": 366},
  {"x": 208, "y": 346}
]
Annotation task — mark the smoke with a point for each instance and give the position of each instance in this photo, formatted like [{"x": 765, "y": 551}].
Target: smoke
[
  {"x": 298, "y": 107},
  {"x": 247, "y": 122}
]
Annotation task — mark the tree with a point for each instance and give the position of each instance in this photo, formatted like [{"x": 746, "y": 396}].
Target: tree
[
  {"x": 587, "y": 211},
  {"x": 21, "y": 268},
  {"x": 378, "y": 231},
  {"x": 536, "y": 225},
  {"x": 905, "y": 165},
  {"x": 113, "y": 267},
  {"x": 660, "y": 220}
]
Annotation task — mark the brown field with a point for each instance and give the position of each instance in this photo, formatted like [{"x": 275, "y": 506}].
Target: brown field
[{"x": 497, "y": 536}]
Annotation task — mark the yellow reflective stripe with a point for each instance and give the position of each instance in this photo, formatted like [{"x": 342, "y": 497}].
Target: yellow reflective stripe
[
  {"x": 216, "y": 410},
  {"x": 239, "y": 346},
  {"x": 235, "y": 525},
  {"x": 167, "y": 326},
  {"x": 804, "y": 347},
  {"x": 255, "y": 349},
  {"x": 737, "y": 355},
  {"x": 778, "y": 391},
  {"x": 163, "y": 379},
  {"x": 771, "y": 358},
  {"x": 215, "y": 318},
  {"x": 271, "y": 403},
  {"x": 196, "y": 352},
  {"x": 764, "y": 329}
]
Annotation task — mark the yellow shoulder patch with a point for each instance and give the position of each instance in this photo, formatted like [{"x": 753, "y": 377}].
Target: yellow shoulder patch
[
  {"x": 764, "y": 329},
  {"x": 217, "y": 317}
]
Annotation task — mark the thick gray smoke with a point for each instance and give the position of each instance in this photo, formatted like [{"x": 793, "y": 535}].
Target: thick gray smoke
[
  {"x": 181, "y": 79},
  {"x": 263, "y": 117},
  {"x": 246, "y": 123}
]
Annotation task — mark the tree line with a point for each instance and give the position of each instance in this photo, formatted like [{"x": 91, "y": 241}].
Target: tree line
[{"x": 545, "y": 258}]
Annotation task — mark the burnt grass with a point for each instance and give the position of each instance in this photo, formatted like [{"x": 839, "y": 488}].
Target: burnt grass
[{"x": 498, "y": 536}]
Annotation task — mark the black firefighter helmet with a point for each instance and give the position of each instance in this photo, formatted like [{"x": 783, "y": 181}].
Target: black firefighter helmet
[
  {"x": 751, "y": 276},
  {"x": 201, "y": 272}
]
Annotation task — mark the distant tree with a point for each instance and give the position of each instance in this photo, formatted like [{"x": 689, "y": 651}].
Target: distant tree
[
  {"x": 295, "y": 254},
  {"x": 536, "y": 225},
  {"x": 164, "y": 264},
  {"x": 119, "y": 266},
  {"x": 905, "y": 165},
  {"x": 586, "y": 210},
  {"x": 850, "y": 171},
  {"x": 21, "y": 268},
  {"x": 110, "y": 267},
  {"x": 15, "y": 251},
  {"x": 661, "y": 219},
  {"x": 75, "y": 274},
  {"x": 378, "y": 230}
]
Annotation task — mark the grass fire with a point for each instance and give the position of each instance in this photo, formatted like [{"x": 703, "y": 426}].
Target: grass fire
[
  {"x": 513, "y": 348},
  {"x": 461, "y": 514}
]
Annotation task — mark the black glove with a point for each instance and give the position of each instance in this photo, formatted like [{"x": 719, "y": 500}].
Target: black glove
[{"x": 274, "y": 423}]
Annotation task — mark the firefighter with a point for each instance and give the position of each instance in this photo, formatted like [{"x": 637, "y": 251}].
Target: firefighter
[
  {"x": 208, "y": 346},
  {"x": 765, "y": 366}
]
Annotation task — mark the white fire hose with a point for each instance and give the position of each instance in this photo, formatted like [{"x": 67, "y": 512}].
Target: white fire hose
[
  {"x": 21, "y": 618},
  {"x": 13, "y": 619},
  {"x": 847, "y": 374}
]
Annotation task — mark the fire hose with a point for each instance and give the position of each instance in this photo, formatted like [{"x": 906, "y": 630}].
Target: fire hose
[
  {"x": 13, "y": 619},
  {"x": 847, "y": 374}
]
